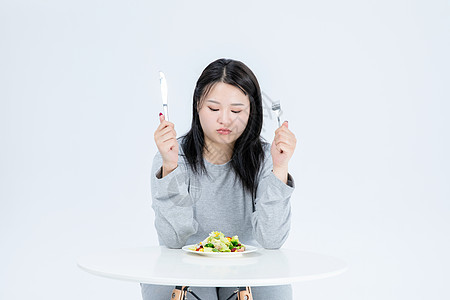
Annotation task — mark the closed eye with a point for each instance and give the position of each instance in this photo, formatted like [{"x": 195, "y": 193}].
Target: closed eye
[{"x": 233, "y": 111}]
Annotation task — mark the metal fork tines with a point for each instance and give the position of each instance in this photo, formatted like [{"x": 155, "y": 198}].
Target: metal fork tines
[{"x": 276, "y": 107}]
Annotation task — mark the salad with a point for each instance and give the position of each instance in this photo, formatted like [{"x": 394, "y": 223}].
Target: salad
[{"x": 218, "y": 242}]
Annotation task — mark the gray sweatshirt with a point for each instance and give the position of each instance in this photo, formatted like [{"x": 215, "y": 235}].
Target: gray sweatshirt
[{"x": 188, "y": 206}]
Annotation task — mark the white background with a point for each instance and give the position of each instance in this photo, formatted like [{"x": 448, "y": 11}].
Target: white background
[{"x": 364, "y": 85}]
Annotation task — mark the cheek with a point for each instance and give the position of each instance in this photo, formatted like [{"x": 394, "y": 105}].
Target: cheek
[
  {"x": 205, "y": 120},
  {"x": 241, "y": 122},
  {"x": 202, "y": 121}
]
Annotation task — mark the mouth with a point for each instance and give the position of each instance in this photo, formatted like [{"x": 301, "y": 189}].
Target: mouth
[{"x": 224, "y": 131}]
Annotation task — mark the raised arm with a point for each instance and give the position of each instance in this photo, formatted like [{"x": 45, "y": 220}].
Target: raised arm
[
  {"x": 271, "y": 219},
  {"x": 173, "y": 206}
]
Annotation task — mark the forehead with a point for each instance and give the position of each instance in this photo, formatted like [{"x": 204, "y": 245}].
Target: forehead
[{"x": 227, "y": 94}]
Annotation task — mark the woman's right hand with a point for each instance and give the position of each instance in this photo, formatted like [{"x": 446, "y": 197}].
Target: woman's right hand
[{"x": 166, "y": 141}]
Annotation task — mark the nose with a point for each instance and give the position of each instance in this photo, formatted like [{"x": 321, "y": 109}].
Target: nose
[{"x": 225, "y": 118}]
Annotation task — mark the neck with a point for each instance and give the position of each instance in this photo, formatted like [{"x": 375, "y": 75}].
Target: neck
[{"x": 217, "y": 154}]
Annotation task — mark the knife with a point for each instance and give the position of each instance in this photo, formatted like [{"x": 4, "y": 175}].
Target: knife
[{"x": 163, "y": 83}]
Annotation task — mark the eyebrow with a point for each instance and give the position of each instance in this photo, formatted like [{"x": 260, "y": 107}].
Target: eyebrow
[{"x": 232, "y": 104}]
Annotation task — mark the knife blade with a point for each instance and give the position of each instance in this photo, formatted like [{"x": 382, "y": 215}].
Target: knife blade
[{"x": 163, "y": 83}]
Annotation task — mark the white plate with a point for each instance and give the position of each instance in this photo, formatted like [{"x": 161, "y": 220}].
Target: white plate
[{"x": 248, "y": 249}]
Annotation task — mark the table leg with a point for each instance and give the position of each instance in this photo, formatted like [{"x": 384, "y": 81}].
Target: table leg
[
  {"x": 245, "y": 293},
  {"x": 179, "y": 293}
]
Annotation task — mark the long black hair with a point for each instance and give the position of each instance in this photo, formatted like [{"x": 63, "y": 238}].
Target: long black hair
[{"x": 248, "y": 153}]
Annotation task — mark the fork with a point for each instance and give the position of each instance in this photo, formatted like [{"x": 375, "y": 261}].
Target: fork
[{"x": 276, "y": 107}]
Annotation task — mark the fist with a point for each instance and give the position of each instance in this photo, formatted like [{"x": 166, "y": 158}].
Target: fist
[
  {"x": 283, "y": 146},
  {"x": 166, "y": 141}
]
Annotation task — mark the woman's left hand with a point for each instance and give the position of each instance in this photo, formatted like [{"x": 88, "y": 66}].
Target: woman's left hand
[{"x": 283, "y": 147}]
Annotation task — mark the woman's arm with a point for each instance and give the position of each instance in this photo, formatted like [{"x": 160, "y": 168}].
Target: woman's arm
[
  {"x": 271, "y": 219},
  {"x": 172, "y": 203},
  {"x": 173, "y": 206}
]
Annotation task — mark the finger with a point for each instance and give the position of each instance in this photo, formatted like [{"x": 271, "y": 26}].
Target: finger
[
  {"x": 169, "y": 144},
  {"x": 167, "y": 136},
  {"x": 285, "y": 136},
  {"x": 163, "y": 125},
  {"x": 277, "y": 146},
  {"x": 165, "y": 131},
  {"x": 285, "y": 147},
  {"x": 286, "y": 143},
  {"x": 284, "y": 125},
  {"x": 161, "y": 138},
  {"x": 283, "y": 128},
  {"x": 159, "y": 131},
  {"x": 279, "y": 149}
]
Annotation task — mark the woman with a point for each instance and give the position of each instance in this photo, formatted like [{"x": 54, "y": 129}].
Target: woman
[{"x": 221, "y": 175}]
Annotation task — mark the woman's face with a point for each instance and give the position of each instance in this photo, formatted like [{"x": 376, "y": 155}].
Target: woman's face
[{"x": 224, "y": 114}]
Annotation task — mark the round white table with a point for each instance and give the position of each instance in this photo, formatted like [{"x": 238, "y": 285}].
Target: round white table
[{"x": 160, "y": 265}]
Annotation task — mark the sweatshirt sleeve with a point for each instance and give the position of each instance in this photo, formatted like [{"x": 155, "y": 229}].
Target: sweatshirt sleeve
[
  {"x": 271, "y": 219},
  {"x": 173, "y": 206}
]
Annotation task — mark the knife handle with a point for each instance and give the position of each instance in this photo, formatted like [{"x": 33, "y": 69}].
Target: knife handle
[{"x": 166, "y": 112}]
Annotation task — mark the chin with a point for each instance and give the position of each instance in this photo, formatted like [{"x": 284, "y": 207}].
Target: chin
[{"x": 224, "y": 140}]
